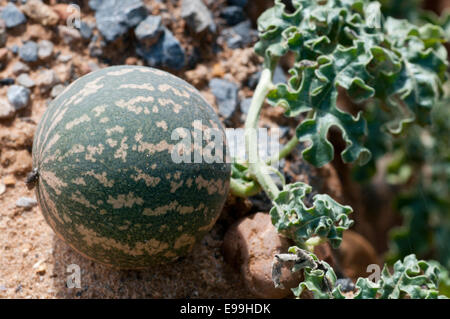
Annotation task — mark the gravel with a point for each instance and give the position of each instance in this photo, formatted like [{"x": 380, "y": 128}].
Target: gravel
[
  {"x": 25, "y": 80},
  {"x": 226, "y": 94},
  {"x": 240, "y": 35},
  {"x": 233, "y": 15},
  {"x": 18, "y": 96},
  {"x": 29, "y": 51},
  {"x": 6, "y": 109},
  {"x": 46, "y": 80},
  {"x": 56, "y": 90},
  {"x": 197, "y": 16},
  {"x": 12, "y": 16},
  {"x": 19, "y": 68},
  {"x": 45, "y": 49},
  {"x": 167, "y": 52},
  {"x": 86, "y": 30},
  {"x": 149, "y": 30},
  {"x": 115, "y": 17},
  {"x": 26, "y": 202}
]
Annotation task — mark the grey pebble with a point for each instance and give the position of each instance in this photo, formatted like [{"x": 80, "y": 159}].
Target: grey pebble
[
  {"x": 197, "y": 16},
  {"x": 6, "y": 109},
  {"x": 115, "y": 17},
  {"x": 56, "y": 90},
  {"x": 26, "y": 202},
  {"x": 25, "y": 80},
  {"x": 167, "y": 52},
  {"x": 12, "y": 16},
  {"x": 29, "y": 51},
  {"x": 45, "y": 49},
  {"x": 226, "y": 94},
  {"x": 18, "y": 96},
  {"x": 20, "y": 67}
]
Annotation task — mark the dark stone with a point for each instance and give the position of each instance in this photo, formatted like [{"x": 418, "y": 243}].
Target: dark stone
[
  {"x": 226, "y": 94},
  {"x": 347, "y": 284},
  {"x": 29, "y": 51},
  {"x": 149, "y": 30},
  {"x": 253, "y": 79},
  {"x": 240, "y": 3},
  {"x": 6, "y": 81},
  {"x": 12, "y": 16},
  {"x": 240, "y": 35},
  {"x": 197, "y": 16},
  {"x": 233, "y": 15},
  {"x": 167, "y": 52},
  {"x": 116, "y": 17}
]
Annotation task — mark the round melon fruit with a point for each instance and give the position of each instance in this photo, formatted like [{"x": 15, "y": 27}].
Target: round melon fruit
[{"x": 107, "y": 182}]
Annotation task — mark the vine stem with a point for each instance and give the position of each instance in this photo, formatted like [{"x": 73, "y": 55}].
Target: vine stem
[{"x": 256, "y": 166}]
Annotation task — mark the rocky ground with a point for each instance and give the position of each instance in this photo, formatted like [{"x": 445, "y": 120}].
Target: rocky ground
[{"x": 44, "y": 46}]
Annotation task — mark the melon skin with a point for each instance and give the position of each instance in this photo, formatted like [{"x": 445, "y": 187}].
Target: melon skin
[{"x": 107, "y": 183}]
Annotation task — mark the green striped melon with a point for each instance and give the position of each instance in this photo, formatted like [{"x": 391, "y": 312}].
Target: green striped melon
[{"x": 107, "y": 182}]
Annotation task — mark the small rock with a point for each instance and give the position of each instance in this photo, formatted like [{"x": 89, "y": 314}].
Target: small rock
[
  {"x": 115, "y": 17},
  {"x": 347, "y": 284},
  {"x": 26, "y": 202},
  {"x": 12, "y": 16},
  {"x": 3, "y": 34},
  {"x": 149, "y": 30},
  {"x": 41, "y": 269},
  {"x": 6, "y": 110},
  {"x": 56, "y": 90},
  {"x": 240, "y": 35},
  {"x": 250, "y": 245},
  {"x": 45, "y": 49},
  {"x": 226, "y": 94},
  {"x": 19, "y": 68},
  {"x": 40, "y": 12},
  {"x": 240, "y": 3},
  {"x": 85, "y": 30},
  {"x": 2, "y": 191},
  {"x": 69, "y": 35},
  {"x": 29, "y": 51},
  {"x": 245, "y": 105},
  {"x": 64, "y": 58},
  {"x": 9, "y": 180},
  {"x": 46, "y": 80},
  {"x": 197, "y": 16},
  {"x": 233, "y": 15},
  {"x": 25, "y": 80},
  {"x": 18, "y": 96},
  {"x": 167, "y": 52},
  {"x": 6, "y": 81}
]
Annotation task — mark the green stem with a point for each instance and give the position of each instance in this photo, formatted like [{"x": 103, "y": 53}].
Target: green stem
[
  {"x": 285, "y": 151},
  {"x": 244, "y": 190},
  {"x": 256, "y": 166}
]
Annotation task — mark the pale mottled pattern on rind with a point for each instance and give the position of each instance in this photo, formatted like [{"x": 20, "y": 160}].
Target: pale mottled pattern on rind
[{"x": 99, "y": 188}]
